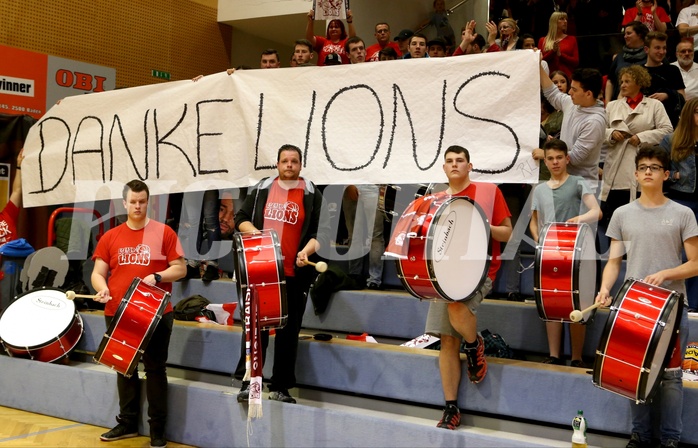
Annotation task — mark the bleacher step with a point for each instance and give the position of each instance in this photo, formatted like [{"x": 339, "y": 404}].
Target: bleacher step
[{"x": 206, "y": 414}]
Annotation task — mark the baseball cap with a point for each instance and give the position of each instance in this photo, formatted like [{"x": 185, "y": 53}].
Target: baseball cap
[
  {"x": 333, "y": 59},
  {"x": 404, "y": 34}
]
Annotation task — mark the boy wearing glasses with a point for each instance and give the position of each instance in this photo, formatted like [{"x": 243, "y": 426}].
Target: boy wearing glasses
[{"x": 653, "y": 231}]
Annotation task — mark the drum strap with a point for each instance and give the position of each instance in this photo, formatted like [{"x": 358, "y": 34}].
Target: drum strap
[{"x": 253, "y": 353}]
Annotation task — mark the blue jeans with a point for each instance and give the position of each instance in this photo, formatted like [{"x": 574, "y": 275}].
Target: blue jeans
[
  {"x": 667, "y": 404},
  {"x": 691, "y": 283},
  {"x": 358, "y": 215}
]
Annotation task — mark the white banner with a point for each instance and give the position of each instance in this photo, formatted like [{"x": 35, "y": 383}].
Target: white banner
[{"x": 368, "y": 123}]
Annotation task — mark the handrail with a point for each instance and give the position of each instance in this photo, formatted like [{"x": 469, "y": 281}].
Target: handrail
[
  {"x": 54, "y": 215},
  {"x": 449, "y": 11}
]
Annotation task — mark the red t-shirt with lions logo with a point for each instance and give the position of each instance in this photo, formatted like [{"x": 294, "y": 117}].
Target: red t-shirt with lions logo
[
  {"x": 136, "y": 253},
  {"x": 284, "y": 212},
  {"x": 8, "y": 223}
]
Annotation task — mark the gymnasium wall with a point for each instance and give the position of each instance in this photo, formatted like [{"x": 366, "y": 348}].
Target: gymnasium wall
[{"x": 180, "y": 37}]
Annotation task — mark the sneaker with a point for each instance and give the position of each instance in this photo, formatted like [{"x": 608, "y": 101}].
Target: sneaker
[
  {"x": 477, "y": 364},
  {"x": 578, "y": 363},
  {"x": 210, "y": 274},
  {"x": 636, "y": 442},
  {"x": 373, "y": 286},
  {"x": 515, "y": 297},
  {"x": 671, "y": 443},
  {"x": 244, "y": 395},
  {"x": 281, "y": 395},
  {"x": 158, "y": 441},
  {"x": 118, "y": 432},
  {"x": 554, "y": 361},
  {"x": 450, "y": 419}
]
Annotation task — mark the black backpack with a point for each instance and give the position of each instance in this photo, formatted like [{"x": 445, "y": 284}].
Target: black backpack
[{"x": 193, "y": 307}]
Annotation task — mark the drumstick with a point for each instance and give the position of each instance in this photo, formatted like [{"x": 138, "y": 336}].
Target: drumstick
[
  {"x": 576, "y": 315},
  {"x": 320, "y": 266},
  {"x": 71, "y": 295}
]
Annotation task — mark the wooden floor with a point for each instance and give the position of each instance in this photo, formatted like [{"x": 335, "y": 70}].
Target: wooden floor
[{"x": 20, "y": 428}]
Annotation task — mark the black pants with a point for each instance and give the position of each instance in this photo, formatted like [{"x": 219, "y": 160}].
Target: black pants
[
  {"x": 155, "y": 363},
  {"x": 286, "y": 339}
]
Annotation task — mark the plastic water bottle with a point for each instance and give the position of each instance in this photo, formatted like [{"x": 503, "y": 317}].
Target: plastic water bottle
[{"x": 579, "y": 436}]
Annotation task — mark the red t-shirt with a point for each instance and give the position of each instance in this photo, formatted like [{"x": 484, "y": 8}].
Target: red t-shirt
[
  {"x": 284, "y": 212},
  {"x": 136, "y": 253},
  {"x": 490, "y": 198},
  {"x": 325, "y": 46},
  {"x": 647, "y": 17},
  {"x": 373, "y": 52},
  {"x": 8, "y": 223}
]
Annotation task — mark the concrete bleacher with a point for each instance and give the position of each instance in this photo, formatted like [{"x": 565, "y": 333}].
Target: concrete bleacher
[
  {"x": 208, "y": 415},
  {"x": 513, "y": 389}
]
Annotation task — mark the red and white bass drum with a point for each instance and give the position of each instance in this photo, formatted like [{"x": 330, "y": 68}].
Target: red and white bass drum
[
  {"x": 637, "y": 341},
  {"x": 447, "y": 247},
  {"x": 42, "y": 324},
  {"x": 564, "y": 277},
  {"x": 259, "y": 264},
  {"x": 133, "y": 325}
]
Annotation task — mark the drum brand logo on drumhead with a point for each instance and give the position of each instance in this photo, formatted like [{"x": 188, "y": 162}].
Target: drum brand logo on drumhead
[
  {"x": 443, "y": 239},
  {"x": 48, "y": 303}
]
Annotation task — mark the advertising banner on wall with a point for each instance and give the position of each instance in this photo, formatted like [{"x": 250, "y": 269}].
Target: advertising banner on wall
[{"x": 34, "y": 82}]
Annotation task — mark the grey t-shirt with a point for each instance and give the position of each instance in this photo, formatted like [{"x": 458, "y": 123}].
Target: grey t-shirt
[
  {"x": 653, "y": 238},
  {"x": 562, "y": 203}
]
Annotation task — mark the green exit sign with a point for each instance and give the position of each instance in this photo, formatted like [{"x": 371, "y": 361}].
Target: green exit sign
[{"x": 160, "y": 74}]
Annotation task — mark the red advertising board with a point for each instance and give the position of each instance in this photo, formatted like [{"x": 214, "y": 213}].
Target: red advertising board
[
  {"x": 32, "y": 82},
  {"x": 23, "y": 82}
]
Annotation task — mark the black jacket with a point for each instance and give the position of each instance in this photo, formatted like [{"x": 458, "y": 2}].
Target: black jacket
[{"x": 317, "y": 220}]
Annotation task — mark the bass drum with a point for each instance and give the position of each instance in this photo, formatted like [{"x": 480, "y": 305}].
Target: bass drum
[
  {"x": 564, "y": 277},
  {"x": 42, "y": 325},
  {"x": 259, "y": 264},
  {"x": 636, "y": 342},
  {"x": 133, "y": 325},
  {"x": 447, "y": 241}
]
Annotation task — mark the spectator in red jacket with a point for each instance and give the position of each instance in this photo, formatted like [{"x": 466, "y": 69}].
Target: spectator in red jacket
[{"x": 559, "y": 49}]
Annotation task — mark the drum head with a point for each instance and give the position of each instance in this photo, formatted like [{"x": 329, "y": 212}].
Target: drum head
[
  {"x": 36, "y": 317},
  {"x": 459, "y": 248},
  {"x": 663, "y": 339},
  {"x": 585, "y": 266}
]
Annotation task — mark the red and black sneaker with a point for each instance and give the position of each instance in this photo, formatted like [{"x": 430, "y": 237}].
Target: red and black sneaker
[
  {"x": 477, "y": 364},
  {"x": 451, "y": 418}
]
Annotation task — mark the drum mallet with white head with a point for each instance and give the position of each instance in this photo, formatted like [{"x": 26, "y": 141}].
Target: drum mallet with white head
[
  {"x": 320, "y": 266},
  {"x": 72, "y": 296},
  {"x": 576, "y": 315}
]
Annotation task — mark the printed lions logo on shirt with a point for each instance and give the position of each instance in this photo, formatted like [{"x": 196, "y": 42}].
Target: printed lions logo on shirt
[
  {"x": 286, "y": 212},
  {"x": 139, "y": 255},
  {"x": 4, "y": 231},
  {"x": 334, "y": 48}
]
